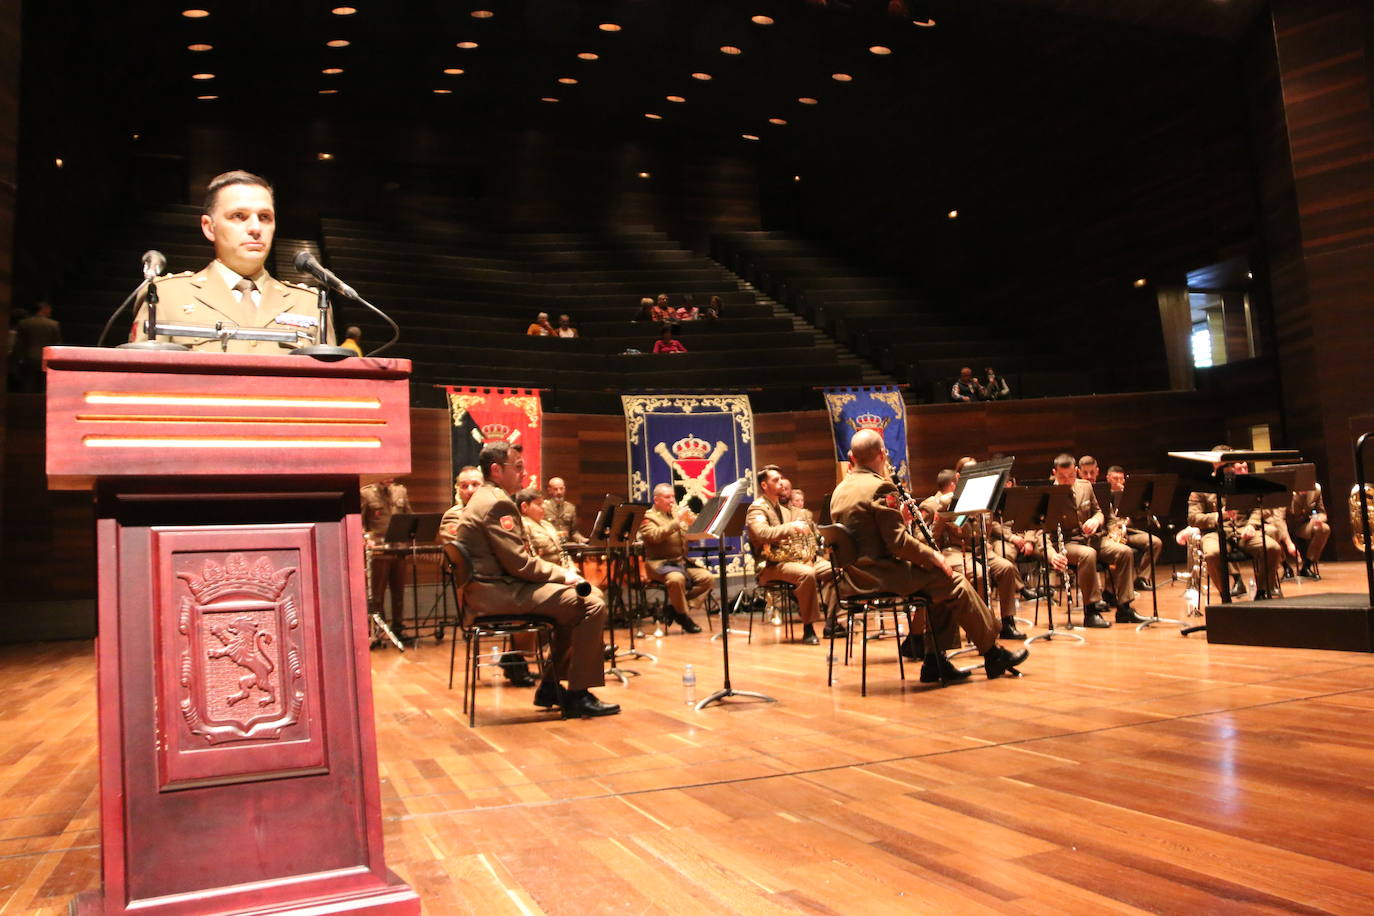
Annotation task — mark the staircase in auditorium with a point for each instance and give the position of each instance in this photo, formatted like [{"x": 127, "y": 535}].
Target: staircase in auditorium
[{"x": 899, "y": 327}]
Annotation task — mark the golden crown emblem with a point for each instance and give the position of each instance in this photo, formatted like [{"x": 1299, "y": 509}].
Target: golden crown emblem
[
  {"x": 871, "y": 421},
  {"x": 691, "y": 447},
  {"x": 495, "y": 432},
  {"x": 236, "y": 577}
]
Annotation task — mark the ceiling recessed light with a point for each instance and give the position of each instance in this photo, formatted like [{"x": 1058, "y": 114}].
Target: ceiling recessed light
[
  {"x": 796, "y": 178},
  {"x": 609, "y": 27},
  {"x": 880, "y": 50},
  {"x": 343, "y": 11},
  {"x": 195, "y": 14},
  {"x": 58, "y": 162},
  {"x": 467, "y": 45},
  {"x": 482, "y": 14},
  {"x": 135, "y": 136},
  {"x": 675, "y": 98},
  {"x": 953, "y": 214},
  {"x": 1139, "y": 283},
  {"x": 749, "y": 136},
  {"x": 207, "y": 98},
  {"x": 324, "y": 157},
  {"x": 807, "y": 100},
  {"x": 454, "y": 71},
  {"x": 332, "y": 71},
  {"x": 643, "y": 174},
  {"x": 761, "y": 20},
  {"x": 924, "y": 23},
  {"x": 443, "y": 92},
  {"x": 567, "y": 81},
  {"x": 202, "y": 76},
  {"x": 337, "y": 43},
  {"x": 701, "y": 76},
  {"x": 653, "y": 117},
  {"x": 588, "y": 55},
  {"x": 200, "y": 47},
  {"x": 778, "y": 121},
  {"x": 841, "y": 77},
  {"x": 548, "y": 98},
  {"x": 1249, "y": 274},
  {"x": 329, "y": 92},
  {"x": 730, "y": 49}
]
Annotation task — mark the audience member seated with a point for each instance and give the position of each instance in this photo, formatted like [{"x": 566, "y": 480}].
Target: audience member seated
[
  {"x": 646, "y": 310},
  {"x": 967, "y": 388},
  {"x": 663, "y": 310},
  {"x": 541, "y": 326},
  {"x": 353, "y": 340},
  {"x": 688, "y": 310},
  {"x": 995, "y": 388},
  {"x": 565, "y": 328},
  {"x": 666, "y": 343},
  {"x": 713, "y": 308}
]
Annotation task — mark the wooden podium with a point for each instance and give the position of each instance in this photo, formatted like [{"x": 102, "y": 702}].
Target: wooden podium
[{"x": 238, "y": 761}]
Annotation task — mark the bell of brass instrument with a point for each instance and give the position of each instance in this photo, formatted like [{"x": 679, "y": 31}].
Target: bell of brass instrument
[
  {"x": 797, "y": 547},
  {"x": 1356, "y": 527}
]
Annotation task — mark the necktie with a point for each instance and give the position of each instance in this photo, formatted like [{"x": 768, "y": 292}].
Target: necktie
[{"x": 245, "y": 289}]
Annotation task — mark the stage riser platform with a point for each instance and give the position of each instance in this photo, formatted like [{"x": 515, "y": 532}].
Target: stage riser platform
[{"x": 1337, "y": 621}]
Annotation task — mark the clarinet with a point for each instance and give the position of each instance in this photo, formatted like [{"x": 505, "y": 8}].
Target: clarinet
[{"x": 917, "y": 518}]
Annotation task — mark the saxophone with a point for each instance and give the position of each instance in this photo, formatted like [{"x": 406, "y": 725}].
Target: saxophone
[{"x": 1356, "y": 530}]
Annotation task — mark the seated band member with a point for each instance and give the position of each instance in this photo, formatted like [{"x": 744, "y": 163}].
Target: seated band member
[
  {"x": 959, "y": 542},
  {"x": 785, "y": 551},
  {"x": 1084, "y": 545},
  {"x": 891, "y": 560},
  {"x": 797, "y": 503},
  {"x": 1242, "y": 530},
  {"x": 561, "y": 513},
  {"x": 1140, "y": 542},
  {"x": 380, "y": 501},
  {"x": 464, "y": 485},
  {"x": 664, "y": 533},
  {"x": 507, "y": 579},
  {"x": 541, "y": 537},
  {"x": 235, "y": 288},
  {"x": 1307, "y": 519}
]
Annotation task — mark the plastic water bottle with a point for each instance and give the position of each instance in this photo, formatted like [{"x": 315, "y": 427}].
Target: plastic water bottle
[{"x": 689, "y": 685}]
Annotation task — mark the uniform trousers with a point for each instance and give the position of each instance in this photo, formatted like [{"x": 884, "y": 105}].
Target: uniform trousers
[
  {"x": 676, "y": 577},
  {"x": 578, "y": 654},
  {"x": 1143, "y": 545},
  {"x": 1316, "y": 535},
  {"x": 812, "y": 584},
  {"x": 1006, "y": 578},
  {"x": 1254, "y": 548},
  {"x": 389, "y": 573}
]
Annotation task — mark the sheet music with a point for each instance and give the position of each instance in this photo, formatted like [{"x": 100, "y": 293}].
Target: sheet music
[
  {"x": 977, "y": 494},
  {"x": 727, "y": 496}
]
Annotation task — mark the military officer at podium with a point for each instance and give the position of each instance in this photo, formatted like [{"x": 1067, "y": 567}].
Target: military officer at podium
[
  {"x": 507, "y": 579},
  {"x": 235, "y": 290}
]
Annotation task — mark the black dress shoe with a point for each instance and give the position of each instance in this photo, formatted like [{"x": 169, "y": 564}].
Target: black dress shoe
[
  {"x": 1309, "y": 570},
  {"x": 1030, "y": 594},
  {"x": 549, "y": 693},
  {"x": 809, "y": 637},
  {"x": 1237, "y": 589},
  {"x": 1009, "y": 630},
  {"x": 935, "y": 665},
  {"x": 688, "y": 626},
  {"x": 836, "y": 630},
  {"x": 1141, "y": 585},
  {"x": 1092, "y": 617},
  {"x": 516, "y": 670},
  {"x": 1127, "y": 614},
  {"x": 911, "y": 646},
  {"x": 580, "y": 704},
  {"x": 998, "y": 661}
]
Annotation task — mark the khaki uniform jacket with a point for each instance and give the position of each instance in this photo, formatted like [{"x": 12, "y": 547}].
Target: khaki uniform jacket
[
  {"x": 766, "y": 523},
  {"x": 201, "y": 298},
  {"x": 869, "y": 506},
  {"x": 448, "y": 525},
  {"x": 664, "y": 539},
  {"x": 379, "y": 506},
  {"x": 506, "y": 577},
  {"x": 1202, "y": 515},
  {"x": 947, "y": 535},
  {"x": 1304, "y": 503},
  {"x": 545, "y": 543},
  {"x": 562, "y": 515}
]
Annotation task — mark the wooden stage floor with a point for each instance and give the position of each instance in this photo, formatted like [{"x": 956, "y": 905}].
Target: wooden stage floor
[{"x": 1141, "y": 772}]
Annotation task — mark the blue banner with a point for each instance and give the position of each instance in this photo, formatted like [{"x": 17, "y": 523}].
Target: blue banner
[
  {"x": 699, "y": 443},
  {"x": 880, "y": 409}
]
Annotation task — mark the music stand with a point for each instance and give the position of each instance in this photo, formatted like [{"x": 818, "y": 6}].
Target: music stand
[
  {"x": 601, "y": 526},
  {"x": 1143, "y": 492},
  {"x": 408, "y": 528},
  {"x": 977, "y": 495},
  {"x": 1041, "y": 506},
  {"x": 625, "y": 522},
  {"x": 722, "y": 517}
]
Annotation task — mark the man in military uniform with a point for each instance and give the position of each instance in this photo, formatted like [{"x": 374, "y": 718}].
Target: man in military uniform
[
  {"x": 235, "y": 290},
  {"x": 958, "y": 542},
  {"x": 1084, "y": 545},
  {"x": 1140, "y": 542},
  {"x": 31, "y": 335},
  {"x": 507, "y": 579},
  {"x": 1242, "y": 529},
  {"x": 380, "y": 501},
  {"x": 797, "y": 503},
  {"x": 771, "y": 528},
  {"x": 891, "y": 560},
  {"x": 464, "y": 485},
  {"x": 664, "y": 533},
  {"x": 1307, "y": 519},
  {"x": 560, "y": 512}
]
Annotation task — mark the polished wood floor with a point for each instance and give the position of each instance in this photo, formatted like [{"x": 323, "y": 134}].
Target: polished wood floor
[{"x": 1141, "y": 772}]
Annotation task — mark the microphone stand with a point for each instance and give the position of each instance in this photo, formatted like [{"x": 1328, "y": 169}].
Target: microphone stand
[
  {"x": 319, "y": 349},
  {"x": 152, "y": 343}
]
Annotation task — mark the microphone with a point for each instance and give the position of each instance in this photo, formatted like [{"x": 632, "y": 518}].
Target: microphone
[
  {"x": 307, "y": 262},
  {"x": 154, "y": 264}
]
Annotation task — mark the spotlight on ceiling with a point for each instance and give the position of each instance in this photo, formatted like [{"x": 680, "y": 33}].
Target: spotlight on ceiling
[
  {"x": 548, "y": 98},
  {"x": 454, "y": 71},
  {"x": 842, "y": 77},
  {"x": 644, "y": 175},
  {"x": 880, "y": 50},
  {"x": 675, "y": 98},
  {"x": 778, "y": 122},
  {"x": 953, "y": 214},
  {"x": 807, "y": 100},
  {"x": 202, "y": 76},
  {"x": 701, "y": 76},
  {"x": 609, "y": 27},
  {"x": 761, "y": 20},
  {"x": 567, "y": 81},
  {"x": 730, "y": 49},
  {"x": 200, "y": 47},
  {"x": 588, "y": 55},
  {"x": 653, "y": 117},
  {"x": 467, "y": 45},
  {"x": 195, "y": 14},
  {"x": 481, "y": 14},
  {"x": 344, "y": 10},
  {"x": 1140, "y": 282},
  {"x": 337, "y": 43},
  {"x": 325, "y": 157},
  {"x": 928, "y": 23},
  {"x": 332, "y": 71},
  {"x": 749, "y": 136}
]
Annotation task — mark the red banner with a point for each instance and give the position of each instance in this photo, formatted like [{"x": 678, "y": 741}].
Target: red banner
[{"x": 482, "y": 415}]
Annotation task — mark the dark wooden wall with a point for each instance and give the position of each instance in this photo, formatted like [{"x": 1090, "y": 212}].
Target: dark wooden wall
[
  {"x": 1314, "y": 120},
  {"x": 9, "y": 154}
]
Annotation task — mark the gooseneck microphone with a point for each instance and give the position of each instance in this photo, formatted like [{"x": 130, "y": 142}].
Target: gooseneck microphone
[
  {"x": 154, "y": 264},
  {"x": 308, "y": 263}
]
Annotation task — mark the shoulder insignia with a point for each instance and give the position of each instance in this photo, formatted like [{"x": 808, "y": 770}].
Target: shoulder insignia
[
  {"x": 177, "y": 276},
  {"x": 508, "y": 522},
  {"x": 314, "y": 291},
  {"x": 891, "y": 500}
]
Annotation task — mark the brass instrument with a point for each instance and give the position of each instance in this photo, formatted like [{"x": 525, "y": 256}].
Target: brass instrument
[
  {"x": 796, "y": 547},
  {"x": 1194, "y": 595},
  {"x": 1356, "y": 530}
]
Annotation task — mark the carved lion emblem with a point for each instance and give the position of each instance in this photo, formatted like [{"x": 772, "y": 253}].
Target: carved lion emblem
[{"x": 245, "y": 646}]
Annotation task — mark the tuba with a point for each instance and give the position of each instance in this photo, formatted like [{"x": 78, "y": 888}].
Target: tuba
[{"x": 1356, "y": 527}]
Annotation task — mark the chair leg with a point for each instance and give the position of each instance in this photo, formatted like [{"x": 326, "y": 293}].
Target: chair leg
[
  {"x": 475, "y": 648},
  {"x": 830, "y": 661},
  {"x": 452, "y": 658},
  {"x": 897, "y": 635},
  {"x": 863, "y": 665}
]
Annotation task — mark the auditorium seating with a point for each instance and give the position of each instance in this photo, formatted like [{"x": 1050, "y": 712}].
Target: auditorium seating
[{"x": 902, "y": 329}]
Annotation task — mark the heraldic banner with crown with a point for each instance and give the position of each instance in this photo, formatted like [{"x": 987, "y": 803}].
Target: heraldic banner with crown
[
  {"x": 697, "y": 442},
  {"x": 880, "y": 409},
  {"x": 483, "y": 415}
]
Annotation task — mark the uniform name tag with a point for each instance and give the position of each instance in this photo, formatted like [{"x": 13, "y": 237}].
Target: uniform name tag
[{"x": 296, "y": 321}]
